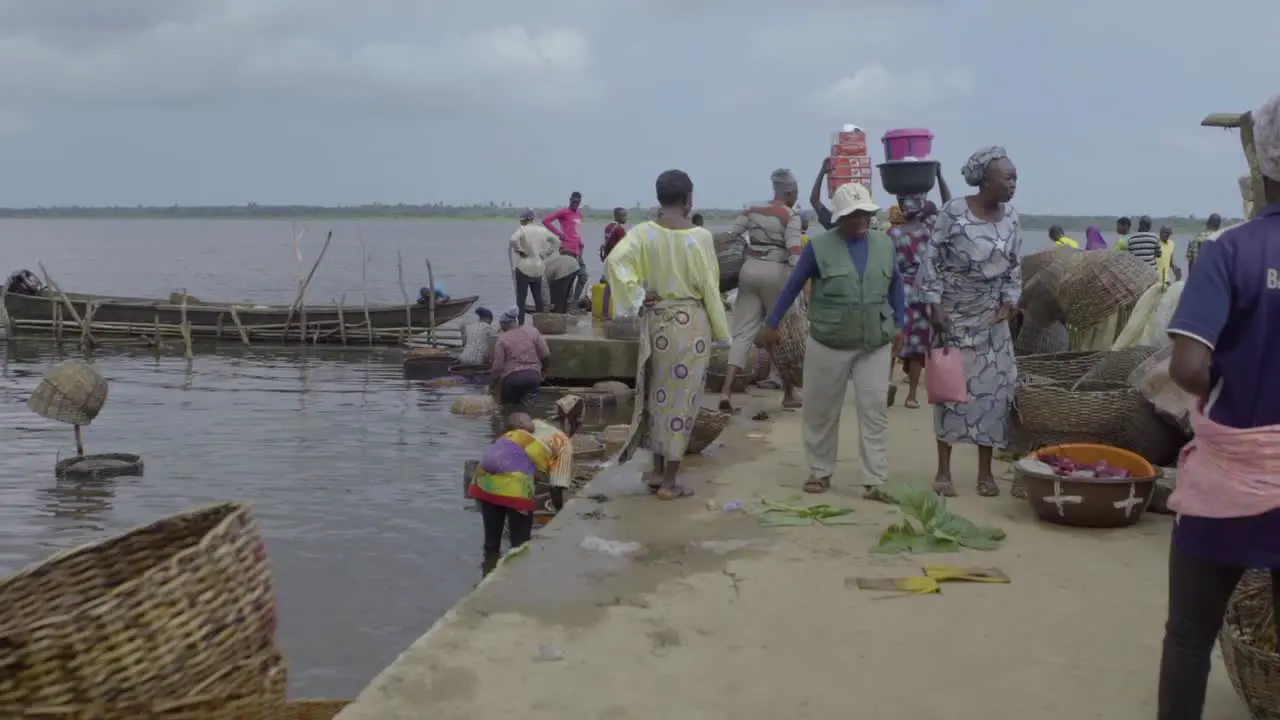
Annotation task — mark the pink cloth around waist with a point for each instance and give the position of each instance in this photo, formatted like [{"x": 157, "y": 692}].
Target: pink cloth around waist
[{"x": 1227, "y": 472}]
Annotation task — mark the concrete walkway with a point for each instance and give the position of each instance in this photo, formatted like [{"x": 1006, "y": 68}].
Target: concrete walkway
[{"x": 721, "y": 618}]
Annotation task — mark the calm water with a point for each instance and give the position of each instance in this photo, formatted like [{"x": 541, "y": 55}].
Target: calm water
[{"x": 353, "y": 472}]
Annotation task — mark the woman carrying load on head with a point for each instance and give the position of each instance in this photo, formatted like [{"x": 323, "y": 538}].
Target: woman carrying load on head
[
  {"x": 970, "y": 278},
  {"x": 666, "y": 271},
  {"x": 773, "y": 243},
  {"x": 909, "y": 239}
]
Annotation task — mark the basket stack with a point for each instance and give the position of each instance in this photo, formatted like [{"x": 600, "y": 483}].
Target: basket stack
[
  {"x": 718, "y": 369},
  {"x": 174, "y": 620},
  {"x": 73, "y": 393},
  {"x": 1038, "y": 338},
  {"x": 731, "y": 253},
  {"x": 793, "y": 335},
  {"x": 1248, "y": 641},
  {"x": 1102, "y": 283}
]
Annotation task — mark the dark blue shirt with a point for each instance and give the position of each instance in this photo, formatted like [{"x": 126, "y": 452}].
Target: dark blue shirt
[
  {"x": 1231, "y": 303},
  {"x": 807, "y": 269}
]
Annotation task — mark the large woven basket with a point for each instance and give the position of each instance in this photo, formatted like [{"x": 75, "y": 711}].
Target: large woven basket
[
  {"x": 794, "y": 335},
  {"x": 551, "y": 323},
  {"x": 1035, "y": 262},
  {"x": 1065, "y": 367},
  {"x": 717, "y": 371},
  {"x": 1092, "y": 409},
  {"x": 706, "y": 428},
  {"x": 1102, "y": 283},
  {"x": 1040, "y": 297},
  {"x": 249, "y": 689},
  {"x": 1153, "y": 437},
  {"x": 148, "y": 614},
  {"x": 73, "y": 392},
  {"x": 1038, "y": 338},
  {"x": 1116, "y": 365},
  {"x": 1254, "y": 670},
  {"x": 731, "y": 253},
  {"x": 311, "y": 710}
]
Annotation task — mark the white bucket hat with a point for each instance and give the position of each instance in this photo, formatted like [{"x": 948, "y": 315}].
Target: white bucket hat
[{"x": 850, "y": 198}]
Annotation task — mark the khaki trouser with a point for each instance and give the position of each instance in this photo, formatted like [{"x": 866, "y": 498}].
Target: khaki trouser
[{"x": 827, "y": 372}]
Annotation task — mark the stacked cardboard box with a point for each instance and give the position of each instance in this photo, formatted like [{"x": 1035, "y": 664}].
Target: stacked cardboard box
[{"x": 849, "y": 159}]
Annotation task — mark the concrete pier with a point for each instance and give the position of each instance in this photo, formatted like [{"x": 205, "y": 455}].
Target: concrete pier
[{"x": 718, "y": 617}]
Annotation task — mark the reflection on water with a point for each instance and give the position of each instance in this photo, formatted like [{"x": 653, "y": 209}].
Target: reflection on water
[{"x": 354, "y": 474}]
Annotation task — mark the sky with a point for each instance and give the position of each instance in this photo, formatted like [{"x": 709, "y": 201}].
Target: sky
[{"x": 199, "y": 102}]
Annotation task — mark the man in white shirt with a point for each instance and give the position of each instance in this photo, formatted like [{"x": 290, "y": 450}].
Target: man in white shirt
[{"x": 531, "y": 244}]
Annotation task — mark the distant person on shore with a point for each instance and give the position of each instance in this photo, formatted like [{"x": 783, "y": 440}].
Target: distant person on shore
[
  {"x": 1211, "y": 226},
  {"x": 1228, "y": 493},
  {"x": 857, "y": 307},
  {"x": 531, "y": 245},
  {"x": 476, "y": 337},
  {"x": 1144, "y": 244},
  {"x": 520, "y": 356},
  {"x": 1165, "y": 264},
  {"x": 970, "y": 277},
  {"x": 1123, "y": 226},
  {"x": 1060, "y": 239},
  {"x": 1093, "y": 239},
  {"x": 666, "y": 272},
  {"x": 698, "y": 220},
  {"x": 614, "y": 232},
  {"x": 566, "y": 223},
  {"x": 772, "y": 234}
]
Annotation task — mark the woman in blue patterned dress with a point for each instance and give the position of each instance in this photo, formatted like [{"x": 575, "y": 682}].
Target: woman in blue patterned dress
[{"x": 971, "y": 280}]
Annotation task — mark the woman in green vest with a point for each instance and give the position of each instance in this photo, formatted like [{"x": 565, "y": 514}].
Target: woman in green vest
[
  {"x": 970, "y": 277},
  {"x": 856, "y": 308}
]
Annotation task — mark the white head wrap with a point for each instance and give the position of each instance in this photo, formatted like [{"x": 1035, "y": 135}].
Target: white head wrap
[{"x": 1266, "y": 138}]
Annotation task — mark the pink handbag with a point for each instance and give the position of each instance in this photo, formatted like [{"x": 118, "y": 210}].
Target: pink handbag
[{"x": 944, "y": 380}]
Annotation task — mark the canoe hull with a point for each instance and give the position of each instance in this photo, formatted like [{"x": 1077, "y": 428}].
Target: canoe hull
[{"x": 47, "y": 314}]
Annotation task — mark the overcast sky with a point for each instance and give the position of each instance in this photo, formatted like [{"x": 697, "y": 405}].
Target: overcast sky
[{"x": 160, "y": 102}]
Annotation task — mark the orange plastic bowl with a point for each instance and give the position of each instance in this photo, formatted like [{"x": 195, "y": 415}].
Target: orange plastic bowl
[{"x": 1091, "y": 502}]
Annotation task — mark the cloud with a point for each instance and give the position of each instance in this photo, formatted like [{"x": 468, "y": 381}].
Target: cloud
[
  {"x": 197, "y": 50},
  {"x": 876, "y": 92},
  {"x": 1208, "y": 143}
]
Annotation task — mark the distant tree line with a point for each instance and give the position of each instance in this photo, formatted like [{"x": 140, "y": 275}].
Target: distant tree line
[{"x": 487, "y": 211}]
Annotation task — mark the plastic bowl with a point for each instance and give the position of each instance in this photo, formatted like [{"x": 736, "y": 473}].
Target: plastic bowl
[
  {"x": 1091, "y": 502},
  {"x": 908, "y": 177}
]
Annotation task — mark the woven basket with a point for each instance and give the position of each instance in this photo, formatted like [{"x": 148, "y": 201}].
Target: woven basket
[
  {"x": 706, "y": 428},
  {"x": 73, "y": 393},
  {"x": 255, "y": 689},
  {"x": 763, "y": 365},
  {"x": 1102, "y": 283},
  {"x": 311, "y": 710},
  {"x": 1116, "y": 365},
  {"x": 1093, "y": 409},
  {"x": 718, "y": 368},
  {"x": 794, "y": 335},
  {"x": 1254, "y": 672},
  {"x": 1066, "y": 367},
  {"x": 731, "y": 253},
  {"x": 1035, "y": 262},
  {"x": 1036, "y": 338},
  {"x": 1040, "y": 297},
  {"x": 1154, "y": 438},
  {"x": 148, "y": 614},
  {"x": 551, "y": 323}
]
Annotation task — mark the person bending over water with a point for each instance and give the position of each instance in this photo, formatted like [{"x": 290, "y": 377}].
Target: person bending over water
[
  {"x": 970, "y": 277},
  {"x": 520, "y": 355},
  {"x": 666, "y": 271}
]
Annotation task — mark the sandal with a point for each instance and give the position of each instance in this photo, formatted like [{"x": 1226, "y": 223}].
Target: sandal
[
  {"x": 944, "y": 487},
  {"x": 817, "y": 485},
  {"x": 987, "y": 487},
  {"x": 876, "y": 494},
  {"x": 911, "y": 404},
  {"x": 726, "y": 407},
  {"x": 893, "y": 395},
  {"x": 792, "y": 404},
  {"x": 1017, "y": 491},
  {"x": 673, "y": 492}
]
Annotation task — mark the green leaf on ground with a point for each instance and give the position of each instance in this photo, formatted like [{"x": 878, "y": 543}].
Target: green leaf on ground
[{"x": 935, "y": 528}]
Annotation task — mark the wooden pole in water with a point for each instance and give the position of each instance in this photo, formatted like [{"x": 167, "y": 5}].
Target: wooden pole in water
[
  {"x": 408, "y": 309},
  {"x": 66, "y": 301},
  {"x": 364, "y": 292},
  {"x": 79, "y": 442},
  {"x": 302, "y": 290},
  {"x": 8, "y": 320},
  {"x": 235, "y": 317},
  {"x": 185, "y": 327},
  {"x": 342, "y": 320},
  {"x": 431, "y": 304}
]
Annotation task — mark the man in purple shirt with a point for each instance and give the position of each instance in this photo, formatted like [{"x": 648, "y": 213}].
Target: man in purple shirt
[
  {"x": 566, "y": 223},
  {"x": 856, "y": 308},
  {"x": 1226, "y": 338}
]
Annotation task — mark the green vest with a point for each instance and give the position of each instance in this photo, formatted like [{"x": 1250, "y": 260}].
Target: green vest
[{"x": 847, "y": 312}]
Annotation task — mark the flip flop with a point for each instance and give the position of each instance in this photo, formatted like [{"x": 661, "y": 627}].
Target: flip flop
[
  {"x": 945, "y": 488},
  {"x": 816, "y": 485},
  {"x": 674, "y": 492},
  {"x": 911, "y": 404},
  {"x": 793, "y": 404},
  {"x": 893, "y": 395},
  {"x": 875, "y": 494},
  {"x": 987, "y": 487}
]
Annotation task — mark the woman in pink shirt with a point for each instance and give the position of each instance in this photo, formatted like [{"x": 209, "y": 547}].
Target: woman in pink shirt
[{"x": 520, "y": 356}]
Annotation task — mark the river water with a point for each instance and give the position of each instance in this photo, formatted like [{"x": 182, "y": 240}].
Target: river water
[{"x": 353, "y": 471}]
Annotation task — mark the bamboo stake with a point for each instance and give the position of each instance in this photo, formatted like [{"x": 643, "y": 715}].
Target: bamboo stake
[
  {"x": 89, "y": 310},
  {"x": 8, "y": 319},
  {"x": 79, "y": 442},
  {"x": 408, "y": 310},
  {"x": 342, "y": 321},
  {"x": 186, "y": 327},
  {"x": 57, "y": 324},
  {"x": 364, "y": 294},
  {"x": 431, "y": 304},
  {"x": 67, "y": 302},
  {"x": 235, "y": 317},
  {"x": 302, "y": 291}
]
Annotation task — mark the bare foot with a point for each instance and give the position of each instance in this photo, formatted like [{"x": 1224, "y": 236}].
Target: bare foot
[
  {"x": 987, "y": 487},
  {"x": 674, "y": 491}
]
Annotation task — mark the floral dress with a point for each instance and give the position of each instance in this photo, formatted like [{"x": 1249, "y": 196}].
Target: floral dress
[{"x": 910, "y": 239}]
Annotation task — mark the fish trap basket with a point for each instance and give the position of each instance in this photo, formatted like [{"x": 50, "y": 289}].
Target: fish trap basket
[
  {"x": 706, "y": 428},
  {"x": 793, "y": 335},
  {"x": 73, "y": 393},
  {"x": 1079, "y": 409},
  {"x": 551, "y": 323},
  {"x": 718, "y": 369},
  {"x": 1037, "y": 338},
  {"x": 1065, "y": 367},
  {"x": 1102, "y": 283},
  {"x": 1035, "y": 262},
  {"x": 1040, "y": 295},
  {"x": 257, "y": 691},
  {"x": 148, "y": 614},
  {"x": 731, "y": 254},
  {"x": 1252, "y": 662},
  {"x": 1117, "y": 365}
]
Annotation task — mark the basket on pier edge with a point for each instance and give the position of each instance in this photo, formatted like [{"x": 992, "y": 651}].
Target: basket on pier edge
[
  {"x": 1253, "y": 664},
  {"x": 142, "y": 616},
  {"x": 73, "y": 393}
]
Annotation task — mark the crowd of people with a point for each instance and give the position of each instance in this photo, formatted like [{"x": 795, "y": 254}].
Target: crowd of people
[{"x": 942, "y": 276}]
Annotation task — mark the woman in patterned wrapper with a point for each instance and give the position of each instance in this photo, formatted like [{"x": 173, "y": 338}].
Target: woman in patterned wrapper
[
  {"x": 971, "y": 280},
  {"x": 666, "y": 271},
  {"x": 909, "y": 239}
]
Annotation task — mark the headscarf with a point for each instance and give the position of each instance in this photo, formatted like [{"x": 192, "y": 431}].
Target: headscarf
[
  {"x": 1094, "y": 239},
  {"x": 511, "y": 315},
  {"x": 1266, "y": 139},
  {"x": 976, "y": 168},
  {"x": 784, "y": 181},
  {"x": 527, "y": 214}
]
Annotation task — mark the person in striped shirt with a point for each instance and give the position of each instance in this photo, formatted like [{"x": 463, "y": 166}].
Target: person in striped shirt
[{"x": 1144, "y": 244}]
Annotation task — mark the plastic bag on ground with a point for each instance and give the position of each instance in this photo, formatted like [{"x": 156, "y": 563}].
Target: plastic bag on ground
[
  {"x": 616, "y": 548},
  {"x": 1151, "y": 378}
]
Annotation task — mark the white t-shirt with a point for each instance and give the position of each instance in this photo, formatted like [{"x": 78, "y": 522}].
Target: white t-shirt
[{"x": 530, "y": 245}]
